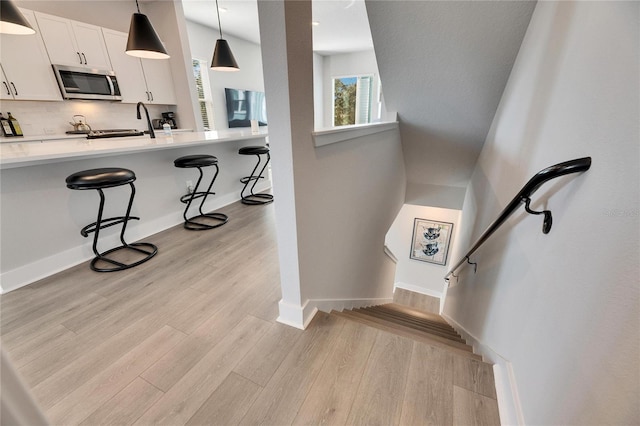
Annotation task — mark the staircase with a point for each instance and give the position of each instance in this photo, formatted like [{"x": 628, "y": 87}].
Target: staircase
[
  {"x": 446, "y": 383},
  {"x": 412, "y": 323}
]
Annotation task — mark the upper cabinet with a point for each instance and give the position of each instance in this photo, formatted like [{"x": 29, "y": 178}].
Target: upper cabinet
[
  {"x": 157, "y": 74},
  {"x": 146, "y": 80},
  {"x": 27, "y": 72},
  {"x": 73, "y": 43}
]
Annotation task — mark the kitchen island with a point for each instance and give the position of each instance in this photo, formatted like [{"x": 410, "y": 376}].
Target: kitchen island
[{"x": 40, "y": 219}]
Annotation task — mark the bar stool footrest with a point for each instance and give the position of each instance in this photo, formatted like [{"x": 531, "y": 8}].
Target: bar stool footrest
[
  {"x": 255, "y": 199},
  {"x": 250, "y": 178},
  {"x": 193, "y": 225},
  {"x": 119, "y": 266},
  {"x": 105, "y": 224},
  {"x": 186, "y": 197}
]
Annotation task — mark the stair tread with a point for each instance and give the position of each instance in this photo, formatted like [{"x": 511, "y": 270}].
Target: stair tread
[
  {"x": 426, "y": 322},
  {"x": 455, "y": 347},
  {"x": 416, "y": 323}
]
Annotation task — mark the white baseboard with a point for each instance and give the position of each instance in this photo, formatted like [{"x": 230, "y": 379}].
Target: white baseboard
[
  {"x": 136, "y": 231},
  {"x": 294, "y": 315},
  {"x": 506, "y": 388},
  {"x": 417, "y": 289}
]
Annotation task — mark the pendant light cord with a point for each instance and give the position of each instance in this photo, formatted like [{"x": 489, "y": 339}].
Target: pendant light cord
[
  {"x": 138, "y": 6},
  {"x": 218, "y": 13}
]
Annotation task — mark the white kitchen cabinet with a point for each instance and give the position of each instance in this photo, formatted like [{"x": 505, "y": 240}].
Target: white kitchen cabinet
[
  {"x": 157, "y": 74},
  {"x": 73, "y": 43},
  {"x": 26, "y": 70},
  {"x": 128, "y": 69},
  {"x": 147, "y": 80}
]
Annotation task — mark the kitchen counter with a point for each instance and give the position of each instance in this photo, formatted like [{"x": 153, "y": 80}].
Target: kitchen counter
[
  {"x": 41, "y": 217},
  {"x": 27, "y": 153}
]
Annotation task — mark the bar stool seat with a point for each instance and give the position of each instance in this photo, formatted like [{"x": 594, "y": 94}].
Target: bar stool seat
[
  {"x": 99, "y": 179},
  {"x": 251, "y": 198},
  {"x": 249, "y": 150},
  {"x": 202, "y": 221}
]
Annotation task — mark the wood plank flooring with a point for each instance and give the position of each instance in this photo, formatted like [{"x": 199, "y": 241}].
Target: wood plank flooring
[{"x": 190, "y": 337}]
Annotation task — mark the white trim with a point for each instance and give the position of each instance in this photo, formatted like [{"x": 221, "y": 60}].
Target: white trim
[
  {"x": 328, "y": 305},
  {"x": 42, "y": 268},
  {"x": 295, "y": 315},
  {"x": 390, "y": 254},
  {"x": 417, "y": 289},
  {"x": 345, "y": 133},
  {"x": 506, "y": 387}
]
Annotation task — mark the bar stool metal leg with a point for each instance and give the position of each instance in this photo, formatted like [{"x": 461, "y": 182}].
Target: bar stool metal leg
[
  {"x": 252, "y": 198},
  {"x": 151, "y": 250},
  {"x": 191, "y": 223}
]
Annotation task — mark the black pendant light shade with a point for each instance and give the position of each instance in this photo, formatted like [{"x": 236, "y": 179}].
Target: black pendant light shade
[
  {"x": 12, "y": 21},
  {"x": 143, "y": 40},
  {"x": 223, "y": 59}
]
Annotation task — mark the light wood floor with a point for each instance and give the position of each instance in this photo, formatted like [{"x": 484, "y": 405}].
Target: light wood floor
[{"x": 190, "y": 337}]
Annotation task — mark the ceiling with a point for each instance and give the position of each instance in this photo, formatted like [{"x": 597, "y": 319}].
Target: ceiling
[
  {"x": 342, "y": 27},
  {"x": 444, "y": 66}
]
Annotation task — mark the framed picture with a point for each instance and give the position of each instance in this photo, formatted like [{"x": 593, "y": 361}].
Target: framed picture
[{"x": 431, "y": 241}]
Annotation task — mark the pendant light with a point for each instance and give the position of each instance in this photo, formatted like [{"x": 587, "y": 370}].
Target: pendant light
[
  {"x": 12, "y": 21},
  {"x": 143, "y": 41},
  {"x": 223, "y": 59}
]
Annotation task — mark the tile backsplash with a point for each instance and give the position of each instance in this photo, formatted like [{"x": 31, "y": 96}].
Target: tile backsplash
[{"x": 46, "y": 118}]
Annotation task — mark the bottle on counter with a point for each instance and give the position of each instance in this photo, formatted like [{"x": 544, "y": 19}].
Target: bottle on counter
[
  {"x": 6, "y": 127},
  {"x": 166, "y": 128},
  {"x": 15, "y": 126}
]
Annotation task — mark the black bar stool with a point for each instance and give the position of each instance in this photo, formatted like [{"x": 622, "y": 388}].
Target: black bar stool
[
  {"x": 100, "y": 179},
  {"x": 200, "y": 161},
  {"x": 251, "y": 198}
]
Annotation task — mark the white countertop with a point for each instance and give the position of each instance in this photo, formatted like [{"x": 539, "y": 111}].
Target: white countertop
[{"x": 28, "y": 153}]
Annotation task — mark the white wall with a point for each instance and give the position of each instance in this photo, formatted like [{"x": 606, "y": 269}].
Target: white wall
[
  {"x": 334, "y": 204},
  {"x": 345, "y": 65},
  {"x": 444, "y": 66},
  {"x": 563, "y": 308},
  {"x": 416, "y": 275},
  {"x": 202, "y": 41}
]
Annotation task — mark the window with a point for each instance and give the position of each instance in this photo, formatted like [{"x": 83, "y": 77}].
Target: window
[
  {"x": 352, "y": 100},
  {"x": 204, "y": 92}
]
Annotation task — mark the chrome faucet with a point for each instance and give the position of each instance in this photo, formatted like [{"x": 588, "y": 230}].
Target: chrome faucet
[{"x": 152, "y": 134}]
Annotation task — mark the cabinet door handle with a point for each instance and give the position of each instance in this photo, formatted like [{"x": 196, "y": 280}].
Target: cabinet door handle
[
  {"x": 151, "y": 96},
  {"x": 15, "y": 91},
  {"x": 79, "y": 57},
  {"x": 85, "y": 58},
  {"x": 6, "y": 87},
  {"x": 148, "y": 98}
]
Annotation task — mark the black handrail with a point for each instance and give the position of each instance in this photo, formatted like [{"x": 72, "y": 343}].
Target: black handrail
[{"x": 543, "y": 176}]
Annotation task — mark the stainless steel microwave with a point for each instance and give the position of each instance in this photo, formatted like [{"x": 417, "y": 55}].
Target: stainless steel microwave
[{"x": 86, "y": 83}]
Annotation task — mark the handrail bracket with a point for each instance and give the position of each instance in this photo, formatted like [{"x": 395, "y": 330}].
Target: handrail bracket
[
  {"x": 548, "y": 219},
  {"x": 475, "y": 265}
]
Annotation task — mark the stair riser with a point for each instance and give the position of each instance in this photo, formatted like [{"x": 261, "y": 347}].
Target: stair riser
[
  {"x": 418, "y": 336},
  {"x": 393, "y": 311},
  {"x": 425, "y": 323},
  {"x": 444, "y": 340},
  {"x": 412, "y": 324}
]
